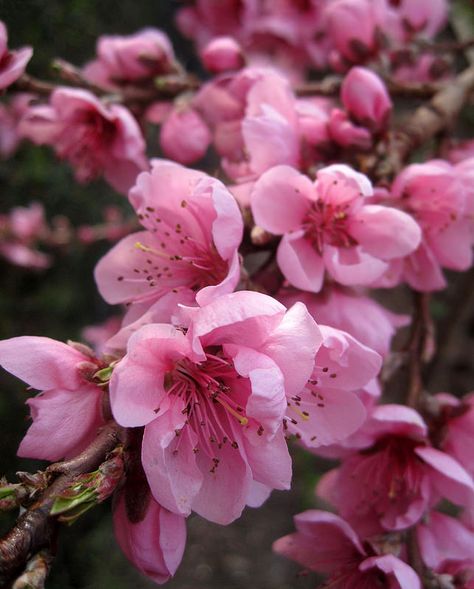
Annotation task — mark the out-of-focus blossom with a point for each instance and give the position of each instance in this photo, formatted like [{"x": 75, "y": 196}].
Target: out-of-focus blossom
[
  {"x": 328, "y": 226},
  {"x": 95, "y": 138},
  {"x": 345, "y": 133},
  {"x": 327, "y": 544},
  {"x": 98, "y": 335},
  {"x": 67, "y": 413},
  {"x": 212, "y": 401},
  {"x": 365, "y": 97},
  {"x": 10, "y": 115},
  {"x": 193, "y": 228},
  {"x": 12, "y": 63},
  {"x": 131, "y": 59},
  {"x": 184, "y": 136},
  {"x": 223, "y": 54}
]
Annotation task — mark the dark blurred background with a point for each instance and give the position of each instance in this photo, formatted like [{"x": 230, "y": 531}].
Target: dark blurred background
[{"x": 59, "y": 302}]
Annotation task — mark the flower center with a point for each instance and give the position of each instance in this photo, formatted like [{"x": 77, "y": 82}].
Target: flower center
[{"x": 327, "y": 224}]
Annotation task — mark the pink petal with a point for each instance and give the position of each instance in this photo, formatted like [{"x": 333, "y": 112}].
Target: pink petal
[
  {"x": 64, "y": 423},
  {"x": 384, "y": 232},
  {"x": 302, "y": 266},
  {"x": 280, "y": 199},
  {"x": 354, "y": 267},
  {"x": 270, "y": 462},
  {"x": 41, "y": 362},
  {"x": 391, "y": 565}
]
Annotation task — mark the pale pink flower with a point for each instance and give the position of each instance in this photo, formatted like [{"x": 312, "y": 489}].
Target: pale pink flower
[
  {"x": 131, "y": 59},
  {"x": 391, "y": 483},
  {"x": 95, "y": 138},
  {"x": 12, "y": 63},
  {"x": 222, "y": 54},
  {"x": 184, "y": 136},
  {"x": 346, "y": 309},
  {"x": 328, "y": 409},
  {"x": 192, "y": 231},
  {"x": 365, "y": 97},
  {"x": 155, "y": 541},
  {"x": 212, "y": 399},
  {"x": 327, "y": 226},
  {"x": 67, "y": 413},
  {"x": 327, "y": 544},
  {"x": 433, "y": 193}
]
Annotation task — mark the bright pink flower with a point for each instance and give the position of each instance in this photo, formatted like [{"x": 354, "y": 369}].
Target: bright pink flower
[
  {"x": 212, "y": 401},
  {"x": 131, "y": 59},
  {"x": 346, "y": 309},
  {"x": 327, "y": 226},
  {"x": 434, "y": 195},
  {"x": 193, "y": 228},
  {"x": 328, "y": 410},
  {"x": 222, "y": 54},
  {"x": 155, "y": 543},
  {"x": 12, "y": 63},
  {"x": 67, "y": 413},
  {"x": 392, "y": 482},
  {"x": 327, "y": 544},
  {"x": 365, "y": 97},
  {"x": 184, "y": 135},
  {"x": 95, "y": 138}
]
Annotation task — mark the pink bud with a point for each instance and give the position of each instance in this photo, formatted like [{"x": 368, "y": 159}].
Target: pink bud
[
  {"x": 222, "y": 54},
  {"x": 366, "y": 98},
  {"x": 184, "y": 136}
]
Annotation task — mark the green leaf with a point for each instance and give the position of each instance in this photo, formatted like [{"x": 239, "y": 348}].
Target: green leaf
[{"x": 65, "y": 504}]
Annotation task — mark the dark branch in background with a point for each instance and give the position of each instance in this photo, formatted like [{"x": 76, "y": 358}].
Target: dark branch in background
[
  {"x": 420, "y": 347},
  {"x": 331, "y": 85},
  {"x": 34, "y": 531},
  {"x": 428, "y": 120}
]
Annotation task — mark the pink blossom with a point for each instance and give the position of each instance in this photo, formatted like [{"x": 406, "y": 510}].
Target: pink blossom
[
  {"x": 184, "y": 135},
  {"x": 434, "y": 195},
  {"x": 424, "y": 17},
  {"x": 328, "y": 410},
  {"x": 390, "y": 483},
  {"x": 212, "y": 400},
  {"x": 327, "y": 544},
  {"x": 154, "y": 541},
  {"x": 98, "y": 335},
  {"x": 327, "y": 226},
  {"x": 192, "y": 231},
  {"x": 345, "y": 133},
  {"x": 222, "y": 54},
  {"x": 12, "y": 63},
  {"x": 351, "y": 311},
  {"x": 457, "y": 419},
  {"x": 67, "y": 413},
  {"x": 131, "y": 59},
  {"x": 95, "y": 138},
  {"x": 365, "y": 97},
  {"x": 10, "y": 116}
]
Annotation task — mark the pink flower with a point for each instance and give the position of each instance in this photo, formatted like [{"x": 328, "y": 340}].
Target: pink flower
[
  {"x": 326, "y": 543},
  {"x": 328, "y": 410},
  {"x": 348, "y": 310},
  {"x": 327, "y": 226},
  {"x": 131, "y": 59},
  {"x": 390, "y": 483},
  {"x": 67, "y": 413},
  {"x": 457, "y": 419},
  {"x": 184, "y": 135},
  {"x": 154, "y": 541},
  {"x": 212, "y": 400},
  {"x": 95, "y": 138},
  {"x": 345, "y": 133},
  {"x": 434, "y": 195},
  {"x": 98, "y": 335},
  {"x": 222, "y": 54},
  {"x": 12, "y": 63},
  {"x": 425, "y": 17},
  {"x": 10, "y": 116},
  {"x": 365, "y": 97},
  {"x": 193, "y": 228}
]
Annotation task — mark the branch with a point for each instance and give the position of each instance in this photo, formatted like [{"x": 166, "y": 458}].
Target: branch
[
  {"x": 34, "y": 530},
  {"x": 331, "y": 85},
  {"x": 420, "y": 346},
  {"x": 426, "y": 122}
]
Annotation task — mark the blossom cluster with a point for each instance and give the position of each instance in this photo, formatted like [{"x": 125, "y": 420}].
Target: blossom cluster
[{"x": 247, "y": 327}]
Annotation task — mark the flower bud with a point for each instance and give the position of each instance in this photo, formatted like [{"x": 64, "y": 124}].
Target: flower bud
[
  {"x": 222, "y": 54},
  {"x": 184, "y": 136}
]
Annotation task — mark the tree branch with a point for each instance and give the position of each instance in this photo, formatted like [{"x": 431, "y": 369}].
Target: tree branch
[
  {"x": 420, "y": 346},
  {"x": 34, "y": 530}
]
